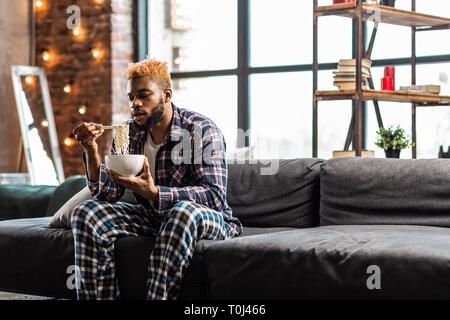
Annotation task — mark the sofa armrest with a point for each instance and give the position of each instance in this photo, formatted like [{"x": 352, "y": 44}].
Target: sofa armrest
[{"x": 24, "y": 201}]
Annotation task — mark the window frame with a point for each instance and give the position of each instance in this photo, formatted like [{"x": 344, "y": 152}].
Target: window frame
[{"x": 244, "y": 69}]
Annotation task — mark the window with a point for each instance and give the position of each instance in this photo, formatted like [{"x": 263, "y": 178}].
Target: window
[
  {"x": 329, "y": 29},
  {"x": 393, "y": 114},
  {"x": 394, "y": 43},
  {"x": 214, "y": 97},
  {"x": 281, "y": 115},
  {"x": 248, "y": 63},
  {"x": 279, "y": 34},
  {"x": 433, "y": 124},
  {"x": 195, "y": 34}
]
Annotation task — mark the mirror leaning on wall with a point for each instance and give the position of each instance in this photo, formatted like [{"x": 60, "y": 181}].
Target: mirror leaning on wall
[{"x": 39, "y": 137}]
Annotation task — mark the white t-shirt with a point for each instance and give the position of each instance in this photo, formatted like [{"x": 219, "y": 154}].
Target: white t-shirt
[{"x": 150, "y": 150}]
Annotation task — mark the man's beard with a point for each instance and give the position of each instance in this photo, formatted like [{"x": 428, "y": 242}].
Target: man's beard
[{"x": 156, "y": 116}]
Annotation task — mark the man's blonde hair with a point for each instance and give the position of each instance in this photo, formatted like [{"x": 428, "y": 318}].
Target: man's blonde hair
[{"x": 150, "y": 67}]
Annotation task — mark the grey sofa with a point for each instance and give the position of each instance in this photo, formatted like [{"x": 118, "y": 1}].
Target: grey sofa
[{"x": 315, "y": 229}]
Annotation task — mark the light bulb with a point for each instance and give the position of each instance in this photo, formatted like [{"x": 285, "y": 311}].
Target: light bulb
[
  {"x": 82, "y": 109},
  {"x": 67, "y": 88},
  {"x": 29, "y": 79},
  {"x": 44, "y": 123},
  {"x": 45, "y": 56},
  {"x": 95, "y": 53},
  {"x": 39, "y": 4},
  {"x": 69, "y": 141},
  {"x": 76, "y": 32}
]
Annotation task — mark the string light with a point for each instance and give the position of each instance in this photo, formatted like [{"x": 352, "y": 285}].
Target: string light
[
  {"x": 95, "y": 53},
  {"x": 44, "y": 123},
  {"x": 68, "y": 87},
  {"x": 99, "y": 1},
  {"x": 45, "y": 55},
  {"x": 39, "y": 4},
  {"x": 29, "y": 79},
  {"x": 69, "y": 141},
  {"x": 76, "y": 31}
]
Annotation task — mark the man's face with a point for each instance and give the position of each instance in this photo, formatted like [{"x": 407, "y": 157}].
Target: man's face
[{"x": 146, "y": 100}]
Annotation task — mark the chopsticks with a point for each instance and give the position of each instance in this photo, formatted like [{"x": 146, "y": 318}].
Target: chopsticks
[{"x": 113, "y": 127}]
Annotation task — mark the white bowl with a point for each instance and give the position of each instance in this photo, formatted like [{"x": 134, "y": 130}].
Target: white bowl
[{"x": 128, "y": 165}]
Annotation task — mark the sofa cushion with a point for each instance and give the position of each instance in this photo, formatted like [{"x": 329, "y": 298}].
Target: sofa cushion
[
  {"x": 35, "y": 259},
  {"x": 132, "y": 258},
  {"x": 64, "y": 192},
  {"x": 24, "y": 201},
  {"x": 385, "y": 191},
  {"x": 275, "y": 193},
  {"x": 62, "y": 218},
  {"x": 332, "y": 262}
]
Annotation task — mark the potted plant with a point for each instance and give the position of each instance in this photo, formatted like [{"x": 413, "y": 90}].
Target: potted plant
[{"x": 393, "y": 141}]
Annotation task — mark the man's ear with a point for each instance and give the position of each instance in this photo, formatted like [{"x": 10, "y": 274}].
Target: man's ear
[{"x": 167, "y": 94}]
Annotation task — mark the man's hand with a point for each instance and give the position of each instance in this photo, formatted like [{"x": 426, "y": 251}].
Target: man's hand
[
  {"x": 143, "y": 184},
  {"x": 86, "y": 133}
]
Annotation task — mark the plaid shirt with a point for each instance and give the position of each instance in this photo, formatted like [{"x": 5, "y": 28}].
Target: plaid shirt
[{"x": 179, "y": 175}]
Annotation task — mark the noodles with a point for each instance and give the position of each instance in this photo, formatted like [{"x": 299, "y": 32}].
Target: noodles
[{"x": 121, "y": 139}]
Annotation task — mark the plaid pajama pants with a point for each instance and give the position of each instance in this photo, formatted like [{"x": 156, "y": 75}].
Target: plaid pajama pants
[{"x": 97, "y": 224}]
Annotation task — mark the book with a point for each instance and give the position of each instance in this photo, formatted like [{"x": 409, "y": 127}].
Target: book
[
  {"x": 352, "y": 153},
  {"x": 345, "y": 80},
  {"x": 352, "y": 69},
  {"x": 339, "y": 78},
  {"x": 349, "y": 65},
  {"x": 347, "y": 74},
  {"x": 352, "y": 62},
  {"x": 430, "y": 89},
  {"x": 348, "y": 85}
]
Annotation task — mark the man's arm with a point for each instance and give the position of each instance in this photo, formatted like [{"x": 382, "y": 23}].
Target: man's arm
[
  {"x": 93, "y": 164},
  {"x": 209, "y": 179},
  {"x": 99, "y": 183},
  {"x": 210, "y": 176},
  {"x": 87, "y": 133},
  {"x": 104, "y": 188}
]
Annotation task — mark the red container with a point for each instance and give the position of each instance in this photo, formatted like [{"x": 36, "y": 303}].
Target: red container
[
  {"x": 387, "y": 83},
  {"x": 389, "y": 71}
]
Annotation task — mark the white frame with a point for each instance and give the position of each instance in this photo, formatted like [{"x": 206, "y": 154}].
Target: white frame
[{"x": 17, "y": 72}]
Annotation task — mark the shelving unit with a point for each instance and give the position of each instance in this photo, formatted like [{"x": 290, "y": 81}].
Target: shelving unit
[{"x": 360, "y": 11}]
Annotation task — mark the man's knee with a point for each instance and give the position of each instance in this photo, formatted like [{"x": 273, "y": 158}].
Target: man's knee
[
  {"x": 82, "y": 211},
  {"x": 185, "y": 211}
]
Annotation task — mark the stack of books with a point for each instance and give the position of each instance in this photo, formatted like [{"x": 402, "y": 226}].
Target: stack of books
[{"x": 345, "y": 77}]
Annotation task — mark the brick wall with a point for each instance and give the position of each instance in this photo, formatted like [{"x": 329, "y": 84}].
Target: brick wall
[{"x": 98, "y": 82}]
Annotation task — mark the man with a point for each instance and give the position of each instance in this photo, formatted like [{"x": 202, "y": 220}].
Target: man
[{"x": 178, "y": 202}]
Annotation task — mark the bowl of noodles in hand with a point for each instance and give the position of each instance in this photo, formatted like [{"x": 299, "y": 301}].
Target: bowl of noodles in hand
[{"x": 127, "y": 165}]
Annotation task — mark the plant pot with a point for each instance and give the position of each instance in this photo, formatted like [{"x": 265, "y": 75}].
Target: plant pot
[{"x": 392, "y": 153}]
